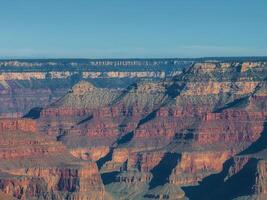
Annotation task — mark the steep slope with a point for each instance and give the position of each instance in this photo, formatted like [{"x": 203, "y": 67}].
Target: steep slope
[
  {"x": 205, "y": 127},
  {"x": 244, "y": 175},
  {"x": 100, "y": 124},
  {"x": 33, "y": 166},
  {"x": 86, "y": 95},
  {"x": 195, "y": 122},
  {"x": 25, "y": 84}
]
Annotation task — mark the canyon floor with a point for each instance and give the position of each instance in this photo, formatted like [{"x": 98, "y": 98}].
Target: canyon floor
[{"x": 137, "y": 130}]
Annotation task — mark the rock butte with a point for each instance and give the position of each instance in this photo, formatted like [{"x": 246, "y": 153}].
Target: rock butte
[{"x": 200, "y": 134}]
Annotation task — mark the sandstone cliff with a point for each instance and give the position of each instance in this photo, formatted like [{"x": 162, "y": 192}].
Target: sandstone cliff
[
  {"x": 200, "y": 131},
  {"x": 34, "y": 166}
]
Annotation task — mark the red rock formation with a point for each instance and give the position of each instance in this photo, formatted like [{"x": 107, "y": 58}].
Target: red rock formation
[
  {"x": 194, "y": 166},
  {"x": 25, "y": 125},
  {"x": 230, "y": 126},
  {"x": 90, "y": 153},
  {"x": 206, "y": 115},
  {"x": 34, "y": 166}
]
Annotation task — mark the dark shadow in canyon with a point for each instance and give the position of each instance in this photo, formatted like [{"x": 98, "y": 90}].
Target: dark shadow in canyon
[
  {"x": 186, "y": 135},
  {"x": 259, "y": 144},
  {"x": 236, "y": 103},
  {"x": 175, "y": 89},
  {"x": 216, "y": 187},
  {"x": 100, "y": 163},
  {"x": 125, "y": 138},
  {"x": 85, "y": 120},
  {"x": 163, "y": 170},
  {"x": 34, "y": 113},
  {"x": 148, "y": 117},
  {"x": 109, "y": 177}
]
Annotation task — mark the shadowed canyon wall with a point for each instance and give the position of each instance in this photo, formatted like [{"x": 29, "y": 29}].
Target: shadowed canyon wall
[{"x": 196, "y": 133}]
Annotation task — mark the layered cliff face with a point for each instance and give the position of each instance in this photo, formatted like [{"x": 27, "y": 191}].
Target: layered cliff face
[
  {"x": 242, "y": 177},
  {"x": 25, "y": 84},
  {"x": 93, "y": 129},
  {"x": 19, "y": 97},
  {"x": 202, "y": 118},
  {"x": 202, "y": 130},
  {"x": 34, "y": 166}
]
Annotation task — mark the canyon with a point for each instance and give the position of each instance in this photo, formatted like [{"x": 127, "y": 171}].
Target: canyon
[
  {"x": 177, "y": 129},
  {"x": 25, "y": 84}
]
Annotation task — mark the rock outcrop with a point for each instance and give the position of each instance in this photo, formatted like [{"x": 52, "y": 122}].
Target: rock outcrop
[
  {"x": 34, "y": 166},
  {"x": 198, "y": 133},
  {"x": 25, "y": 84}
]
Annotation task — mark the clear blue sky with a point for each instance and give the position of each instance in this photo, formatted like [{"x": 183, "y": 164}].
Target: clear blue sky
[{"x": 132, "y": 28}]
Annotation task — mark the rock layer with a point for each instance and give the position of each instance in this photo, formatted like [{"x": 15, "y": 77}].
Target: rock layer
[
  {"x": 34, "y": 166},
  {"x": 154, "y": 139}
]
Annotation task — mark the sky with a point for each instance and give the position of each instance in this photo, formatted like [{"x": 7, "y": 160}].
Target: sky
[{"x": 132, "y": 28}]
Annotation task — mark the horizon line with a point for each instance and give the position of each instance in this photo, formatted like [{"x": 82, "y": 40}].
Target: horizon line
[{"x": 125, "y": 58}]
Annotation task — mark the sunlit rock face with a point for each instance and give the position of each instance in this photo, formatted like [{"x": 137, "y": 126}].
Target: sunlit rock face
[
  {"x": 25, "y": 84},
  {"x": 199, "y": 133},
  {"x": 34, "y": 166}
]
